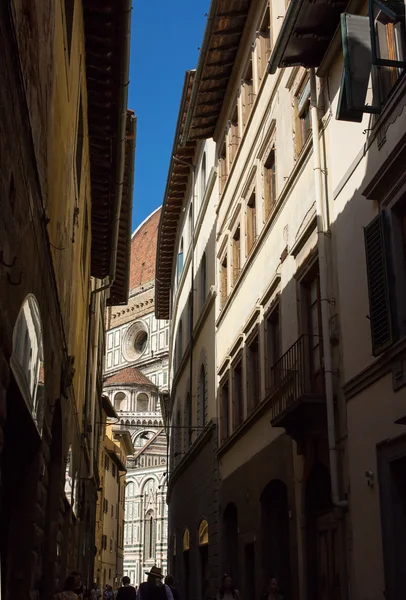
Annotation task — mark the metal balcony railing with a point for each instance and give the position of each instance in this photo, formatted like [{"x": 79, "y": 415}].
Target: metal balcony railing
[{"x": 292, "y": 377}]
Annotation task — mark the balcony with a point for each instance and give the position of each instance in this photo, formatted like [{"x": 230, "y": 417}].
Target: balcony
[{"x": 296, "y": 390}]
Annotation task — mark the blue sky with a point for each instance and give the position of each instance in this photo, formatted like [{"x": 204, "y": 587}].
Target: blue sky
[{"x": 165, "y": 39}]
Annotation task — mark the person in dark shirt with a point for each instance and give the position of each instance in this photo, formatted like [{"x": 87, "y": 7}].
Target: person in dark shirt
[
  {"x": 127, "y": 592},
  {"x": 153, "y": 588},
  {"x": 170, "y": 582}
]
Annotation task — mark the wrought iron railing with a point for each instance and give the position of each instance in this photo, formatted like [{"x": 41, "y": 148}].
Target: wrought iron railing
[{"x": 293, "y": 377}]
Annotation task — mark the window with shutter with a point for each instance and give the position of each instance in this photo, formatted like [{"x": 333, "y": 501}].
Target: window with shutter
[
  {"x": 203, "y": 280},
  {"x": 273, "y": 343},
  {"x": 233, "y": 137},
  {"x": 251, "y": 223},
  {"x": 302, "y": 115},
  {"x": 357, "y": 53},
  {"x": 180, "y": 261},
  {"x": 237, "y": 397},
  {"x": 269, "y": 184},
  {"x": 223, "y": 167},
  {"x": 264, "y": 44},
  {"x": 223, "y": 281},
  {"x": 380, "y": 314},
  {"x": 224, "y": 411},
  {"x": 247, "y": 94},
  {"x": 387, "y": 30},
  {"x": 253, "y": 375},
  {"x": 236, "y": 254}
]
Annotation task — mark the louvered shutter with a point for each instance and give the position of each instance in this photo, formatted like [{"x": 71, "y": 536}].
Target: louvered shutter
[
  {"x": 356, "y": 39},
  {"x": 376, "y": 250}
]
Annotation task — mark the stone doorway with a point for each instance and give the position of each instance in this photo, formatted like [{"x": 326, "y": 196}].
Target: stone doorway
[{"x": 275, "y": 535}]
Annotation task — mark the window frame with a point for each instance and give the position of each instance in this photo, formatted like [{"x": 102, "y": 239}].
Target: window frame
[
  {"x": 269, "y": 206},
  {"x": 238, "y": 412},
  {"x": 299, "y": 108},
  {"x": 251, "y": 229},
  {"x": 262, "y": 49},
  {"x": 224, "y": 278},
  {"x": 236, "y": 253},
  {"x": 224, "y": 429},
  {"x": 251, "y": 376}
]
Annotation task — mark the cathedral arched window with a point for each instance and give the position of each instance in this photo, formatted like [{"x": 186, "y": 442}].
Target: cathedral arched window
[
  {"x": 120, "y": 401},
  {"x": 149, "y": 536},
  {"x": 142, "y": 403}
]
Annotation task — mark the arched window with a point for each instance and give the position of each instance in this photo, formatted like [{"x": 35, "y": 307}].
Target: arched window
[
  {"x": 202, "y": 398},
  {"x": 203, "y": 178},
  {"x": 142, "y": 403},
  {"x": 27, "y": 359},
  {"x": 149, "y": 536},
  {"x": 203, "y": 280},
  {"x": 186, "y": 540},
  {"x": 120, "y": 401},
  {"x": 180, "y": 260},
  {"x": 203, "y": 533}
]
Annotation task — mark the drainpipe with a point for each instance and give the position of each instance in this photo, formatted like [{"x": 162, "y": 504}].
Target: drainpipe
[
  {"x": 322, "y": 233},
  {"x": 192, "y": 271}
]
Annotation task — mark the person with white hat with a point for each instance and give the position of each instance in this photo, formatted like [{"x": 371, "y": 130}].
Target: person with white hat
[{"x": 153, "y": 588}]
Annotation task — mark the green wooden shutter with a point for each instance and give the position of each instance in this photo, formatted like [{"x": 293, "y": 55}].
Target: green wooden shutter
[
  {"x": 380, "y": 313},
  {"x": 356, "y": 39}
]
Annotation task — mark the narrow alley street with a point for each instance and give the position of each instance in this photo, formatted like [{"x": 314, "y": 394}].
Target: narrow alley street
[{"x": 203, "y": 360}]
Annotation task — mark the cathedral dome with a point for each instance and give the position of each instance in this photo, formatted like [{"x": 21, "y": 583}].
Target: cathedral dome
[
  {"x": 143, "y": 251},
  {"x": 129, "y": 375}
]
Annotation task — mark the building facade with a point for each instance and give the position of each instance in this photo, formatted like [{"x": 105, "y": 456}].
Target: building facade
[
  {"x": 115, "y": 448},
  {"x": 309, "y": 266},
  {"x": 187, "y": 232},
  {"x": 56, "y": 249},
  {"x": 136, "y": 381}
]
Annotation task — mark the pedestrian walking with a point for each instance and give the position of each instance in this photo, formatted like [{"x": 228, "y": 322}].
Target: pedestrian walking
[
  {"x": 227, "y": 590},
  {"x": 108, "y": 592},
  {"x": 79, "y": 587},
  {"x": 272, "y": 592},
  {"x": 170, "y": 582},
  {"x": 127, "y": 591},
  {"x": 68, "y": 592},
  {"x": 153, "y": 588}
]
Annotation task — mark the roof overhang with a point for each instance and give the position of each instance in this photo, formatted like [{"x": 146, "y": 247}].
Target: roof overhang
[
  {"x": 120, "y": 289},
  {"x": 124, "y": 436},
  {"x": 225, "y": 25},
  {"x": 108, "y": 408},
  {"x": 306, "y": 33},
  {"x": 107, "y": 34},
  {"x": 176, "y": 188},
  {"x": 115, "y": 457}
]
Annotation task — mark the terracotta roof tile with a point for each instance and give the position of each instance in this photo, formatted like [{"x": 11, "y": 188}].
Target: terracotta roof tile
[
  {"x": 129, "y": 375},
  {"x": 143, "y": 251}
]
